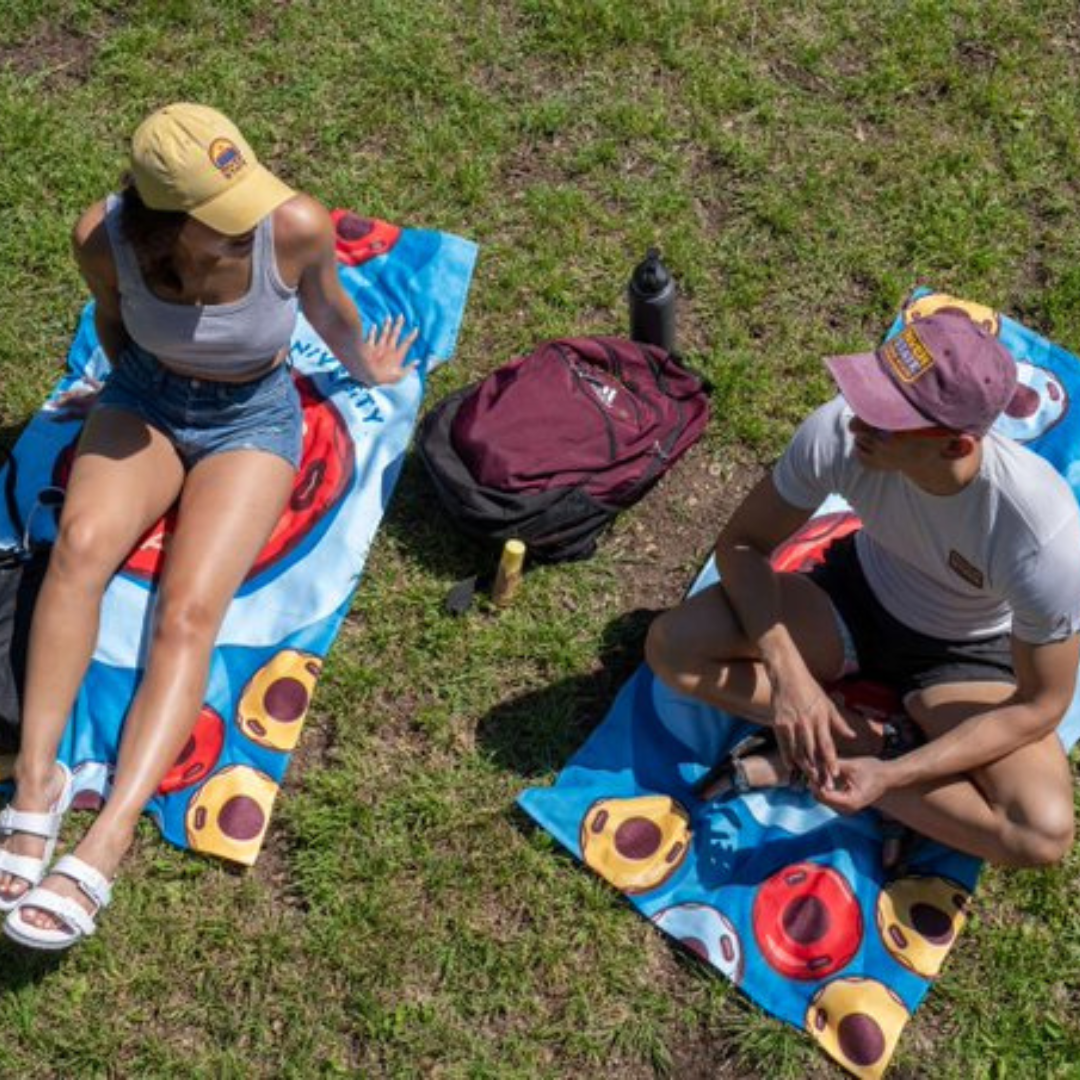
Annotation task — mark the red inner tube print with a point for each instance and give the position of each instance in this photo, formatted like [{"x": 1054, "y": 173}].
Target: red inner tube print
[
  {"x": 359, "y": 240},
  {"x": 200, "y": 753},
  {"x": 806, "y": 549},
  {"x": 325, "y": 476},
  {"x": 807, "y": 921}
]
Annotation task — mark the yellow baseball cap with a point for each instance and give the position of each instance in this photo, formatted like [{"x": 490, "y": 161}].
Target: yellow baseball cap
[{"x": 191, "y": 158}]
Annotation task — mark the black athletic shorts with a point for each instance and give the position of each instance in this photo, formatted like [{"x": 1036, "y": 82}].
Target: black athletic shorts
[{"x": 890, "y": 652}]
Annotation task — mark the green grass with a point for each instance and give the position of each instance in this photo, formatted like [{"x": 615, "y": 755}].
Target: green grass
[{"x": 801, "y": 166}]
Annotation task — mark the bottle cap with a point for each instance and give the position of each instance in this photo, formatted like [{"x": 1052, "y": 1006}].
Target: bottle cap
[
  {"x": 651, "y": 275},
  {"x": 513, "y": 556}
]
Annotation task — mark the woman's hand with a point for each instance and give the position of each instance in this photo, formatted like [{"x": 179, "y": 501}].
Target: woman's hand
[{"x": 383, "y": 350}]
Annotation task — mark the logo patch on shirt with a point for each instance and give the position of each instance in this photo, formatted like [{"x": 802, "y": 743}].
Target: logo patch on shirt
[
  {"x": 971, "y": 574},
  {"x": 908, "y": 357}
]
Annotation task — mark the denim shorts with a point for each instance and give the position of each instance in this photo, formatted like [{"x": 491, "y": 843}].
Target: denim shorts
[
  {"x": 888, "y": 651},
  {"x": 201, "y": 417}
]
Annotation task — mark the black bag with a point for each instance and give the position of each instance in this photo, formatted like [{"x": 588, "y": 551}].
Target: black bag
[
  {"x": 551, "y": 446},
  {"x": 21, "y": 575},
  {"x": 22, "y": 570}
]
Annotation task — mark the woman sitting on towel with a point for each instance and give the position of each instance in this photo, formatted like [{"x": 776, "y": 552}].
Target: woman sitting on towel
[{"x": 198, "y": 268}]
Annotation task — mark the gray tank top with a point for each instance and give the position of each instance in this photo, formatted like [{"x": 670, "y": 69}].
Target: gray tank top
[{"x": 210, "y": 341}]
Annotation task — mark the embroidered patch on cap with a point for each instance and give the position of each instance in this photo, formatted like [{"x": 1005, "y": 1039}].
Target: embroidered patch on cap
[
  {"x": 907, "y": 356},
  {"x": 971, "y": 574},
  {"x": 226, "y": 157}
]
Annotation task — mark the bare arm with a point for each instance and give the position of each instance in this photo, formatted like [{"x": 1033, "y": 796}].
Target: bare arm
[
  {"x": 743, "y": 548},
  {"x": 1045, "y": 680},
  {"x": 305, "y": 226},
  {"x": 1046, "y": 677},
  {"x": 93, "y": 255},
  {"x": 804, "y": 717}
]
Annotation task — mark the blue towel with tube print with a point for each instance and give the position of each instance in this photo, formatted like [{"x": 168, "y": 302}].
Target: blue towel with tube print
[
  {"x": 218, "y": 796},
  {"x": 782, "y": 896}
]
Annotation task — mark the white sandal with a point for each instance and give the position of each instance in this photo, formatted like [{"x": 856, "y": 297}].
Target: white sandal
[
  {"x": 44, "y": 825},
  {"x": 79, "y": 923}
]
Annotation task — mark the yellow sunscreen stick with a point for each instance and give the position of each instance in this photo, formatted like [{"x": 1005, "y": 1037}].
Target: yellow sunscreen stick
[{"x": 508, "y": 576}]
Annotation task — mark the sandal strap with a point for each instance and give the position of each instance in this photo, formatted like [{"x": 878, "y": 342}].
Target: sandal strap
[
  {"x": 63, "y": 907},
  {"x": 44, "y": 825},
  {"x": 89, "y": 879},
  {"x": 740, "y": 784},
  {"x": 732, "y": 767},
  {"x": 22, "y": 866},
  {"x": 760, "y": 741}
]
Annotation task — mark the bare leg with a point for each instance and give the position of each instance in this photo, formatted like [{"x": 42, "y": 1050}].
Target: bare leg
[
  {"x": 229, "y": 506},
  {"x": 699, "y": 649},
  {"x": 1017, "y": 811},
  {"x": 125, "y": 476}
]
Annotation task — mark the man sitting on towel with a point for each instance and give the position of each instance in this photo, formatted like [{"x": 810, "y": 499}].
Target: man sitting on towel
[{"x": 962, "y": 590}]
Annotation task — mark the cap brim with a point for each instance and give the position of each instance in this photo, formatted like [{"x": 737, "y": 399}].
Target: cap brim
[
  {"x": 872, "y": 395},
  {"x": 243, "y": 205}
]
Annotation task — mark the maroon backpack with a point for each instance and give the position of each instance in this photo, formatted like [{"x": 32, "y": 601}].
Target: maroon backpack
[{"x": 551, "y": 446}]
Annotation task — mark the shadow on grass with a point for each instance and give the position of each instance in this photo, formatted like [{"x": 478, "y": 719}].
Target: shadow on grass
[
  {"x": 537, "y": 732},
  {"x": 21, "y": 967},
  {"x": 9, "y": 435},
  {"x": 423, "y": 530}
]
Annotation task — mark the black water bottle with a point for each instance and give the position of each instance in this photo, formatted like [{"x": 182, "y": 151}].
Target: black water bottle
[{"x": 652, "y": 303}]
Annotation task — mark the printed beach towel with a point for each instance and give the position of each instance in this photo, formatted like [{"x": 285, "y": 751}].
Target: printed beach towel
[
  {"x": 218, "y": 796},
  {"x": 779, "y": 894}
]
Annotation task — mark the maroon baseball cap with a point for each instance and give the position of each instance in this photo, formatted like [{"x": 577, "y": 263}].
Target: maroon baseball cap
[{"x": 941, "y": 370}]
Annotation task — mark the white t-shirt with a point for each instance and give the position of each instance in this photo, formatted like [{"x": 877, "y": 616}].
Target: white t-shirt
[{"x": 1002, "y": 554}]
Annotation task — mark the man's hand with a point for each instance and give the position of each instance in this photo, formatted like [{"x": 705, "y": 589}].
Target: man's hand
[
  {"x": 383, "y": 351},
  {"x": 805, "y": 721},
  {"x": 859, "y": 782}
]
